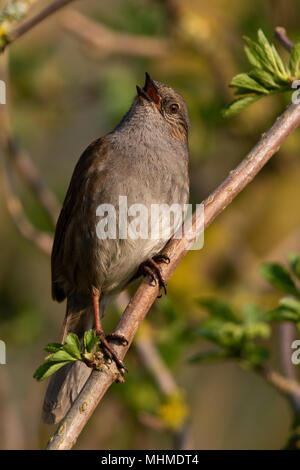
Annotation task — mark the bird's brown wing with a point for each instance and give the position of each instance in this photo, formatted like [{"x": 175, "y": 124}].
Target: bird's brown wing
[{"x": 92, "y": 159}]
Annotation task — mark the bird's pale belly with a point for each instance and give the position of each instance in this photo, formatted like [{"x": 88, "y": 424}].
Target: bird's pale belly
[{"x": 119, "y": 259}]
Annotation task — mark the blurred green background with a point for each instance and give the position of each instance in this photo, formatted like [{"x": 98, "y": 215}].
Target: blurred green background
[{"x": 63, "y": 95}]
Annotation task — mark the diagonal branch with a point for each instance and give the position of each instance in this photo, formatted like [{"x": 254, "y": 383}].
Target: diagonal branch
[
  {"x": 32, "y": 178},
  {"x": 41, "y": 240},
  {"x": 287, "y": 386},
  {"x": 102, "y": 41},
  {"x": 99, "y": 381},
  {"x": 25, "y": 27}
]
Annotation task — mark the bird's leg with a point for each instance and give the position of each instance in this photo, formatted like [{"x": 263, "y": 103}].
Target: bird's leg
[
  {"x": 151, "y": 268},
  {"x": 105, "y": 338}
]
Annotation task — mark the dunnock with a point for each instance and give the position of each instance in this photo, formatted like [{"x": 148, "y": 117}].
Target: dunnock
[{"x": 145, "y": 158}]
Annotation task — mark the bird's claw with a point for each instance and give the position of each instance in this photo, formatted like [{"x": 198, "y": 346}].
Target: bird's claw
[
  {"x": 151, "y": 268},
  {"x": 104, "y": 339}
]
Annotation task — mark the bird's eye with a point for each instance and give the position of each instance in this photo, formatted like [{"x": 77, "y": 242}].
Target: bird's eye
[{"x": 174, "y": 107}]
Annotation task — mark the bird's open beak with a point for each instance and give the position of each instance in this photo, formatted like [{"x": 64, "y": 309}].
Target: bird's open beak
[{"x": 150, "y": 91}]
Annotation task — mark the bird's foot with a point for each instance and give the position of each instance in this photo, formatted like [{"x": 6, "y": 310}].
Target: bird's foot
[
  {"x": 104, "y": 339},
  {"x": 151, "y": 268}
]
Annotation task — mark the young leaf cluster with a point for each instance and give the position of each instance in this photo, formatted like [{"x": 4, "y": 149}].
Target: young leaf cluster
[
  {"x": 235, "y": 336},
  {"x": 283, "y": 280},
  {"x": 269, "y": 74},
  {"x": 62, "y": 354}
]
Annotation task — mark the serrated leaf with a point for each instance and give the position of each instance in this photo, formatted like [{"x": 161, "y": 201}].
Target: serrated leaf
[
  {"x": 266, "y": 78},
  {"x": 61, "y": 355},
  {"x": 218, "y": 308},
  {"x": 72, "y": 345},
  {"x": 53, "y": 347},
  {"x": 268, "y": 51},
  {"x": 90, "y": 340},
  {"x": 260, "y": 54},
  {"x": 294, "y": 261},
  {"x": 294, "y": 63},
  {"x": 279, "y": 277},
  {"x": 238, "y": 105},
  {"x": 280, "y": 65},
  {"x": 253, "y": 58},
  {"x": 243, "y": 80},
  {"x": 256, "y": 51},
  {"x": 47, "y": 369}
]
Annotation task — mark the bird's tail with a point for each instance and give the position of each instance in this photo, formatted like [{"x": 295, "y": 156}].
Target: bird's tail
[{"x": 67, "y": 382}]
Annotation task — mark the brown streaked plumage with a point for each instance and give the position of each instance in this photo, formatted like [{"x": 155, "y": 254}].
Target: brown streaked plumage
[{"x": 145, "y": 158}]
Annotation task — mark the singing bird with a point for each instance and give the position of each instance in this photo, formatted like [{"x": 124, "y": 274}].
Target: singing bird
[{"x": 145, "y": 158}]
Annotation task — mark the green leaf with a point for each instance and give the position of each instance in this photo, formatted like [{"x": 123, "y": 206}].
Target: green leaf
[
  {"x": 295, "y": 60},
  {"x": 53, "y": 347},
  {"x": 243, "y": 80},
  {"x": 61, "y": 355},
  {"x": 294, "y": 261},
  {"x": 253, "y": 57},
  {"x": 285, "y": 72},
  {"x": 217, "y": 308},
  {"x": 282, "y": 314},
  {"x": 279, "y": 277},
  {"x": 290, "y": 304},
  {"x": 90, "y": 340},
  {"x": 209, "y": 356},
  {"x": 266, "y": 78},
  {"x": 288, "y": 310},
  {"x": 268, "y": 52},
  {"x": 238, "y": 105},
  {"x": 256, "y": 51},
  {"x": 47, "y": 369},
  {"x": 260, "y": 55},
  {"x": 72, "y": 345},
  {"x": 269, "y": 75}
]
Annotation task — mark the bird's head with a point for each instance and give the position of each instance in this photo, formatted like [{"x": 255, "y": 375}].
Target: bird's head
[{"x": 166, "y": 101}]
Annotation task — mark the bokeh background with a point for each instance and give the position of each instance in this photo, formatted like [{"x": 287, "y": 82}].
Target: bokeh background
[{"x": 63, "y": 92}]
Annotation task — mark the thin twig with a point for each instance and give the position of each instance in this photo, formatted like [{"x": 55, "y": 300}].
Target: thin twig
[
  {"x": 32, "y": 178},
  {"x": 99, "y": 381},
  {"x": 281, "y": 35},
  {"x": 151, "y": 359},
  {"x": 285, "y": 385},
  {"x": 28, "y": 25},
  {"x": 149, "y": 355},
  {"x": 104, "y": 41},
  {"x": 41, "y": 240}
]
